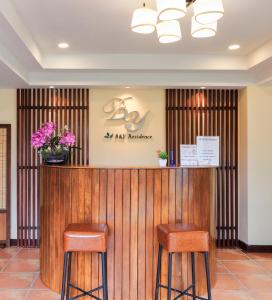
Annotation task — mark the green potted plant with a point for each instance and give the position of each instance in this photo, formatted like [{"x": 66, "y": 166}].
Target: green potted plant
[{"x": 163, "y": 155}]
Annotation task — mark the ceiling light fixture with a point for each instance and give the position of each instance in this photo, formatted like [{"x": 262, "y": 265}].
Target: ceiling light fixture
[
  {"x": 168, "y": 31},
  {"x": 203, "y": 31},
  {"x": 204, "y": 22},
  {"x": 203, "y": 88},
  {"x": 144, "y": 20},
  {"x": 171, "y": 9},
  {"x": 63, "y": 45},
  {"x": 208, "y": 11},
  {"x": 234, "y": 47},
  {"x": 51, "y": 87}
]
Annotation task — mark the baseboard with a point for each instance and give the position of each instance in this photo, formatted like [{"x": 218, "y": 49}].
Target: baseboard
[
  {"x": 13, "y": 242},
  {"x": 255, "y": 248}
]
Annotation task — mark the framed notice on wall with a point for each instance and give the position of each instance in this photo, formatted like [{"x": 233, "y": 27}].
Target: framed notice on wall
[
  {"x": 204, "y": 153},
  {"x": 208, "y": 150}
]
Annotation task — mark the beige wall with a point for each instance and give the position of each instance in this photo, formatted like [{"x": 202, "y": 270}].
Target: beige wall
[
  {"x": 256, "y": 165},
  {"x": 243, "y": 186},
  {"x": 8, "y": 116},
  {"x": 255, "y": 142},
  {"x": 127, "y": 153}
]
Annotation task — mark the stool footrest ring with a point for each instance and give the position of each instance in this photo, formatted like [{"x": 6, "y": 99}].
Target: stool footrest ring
[
  {"x": 85, "y": 293},
  {"x": 182, "y": 293}
]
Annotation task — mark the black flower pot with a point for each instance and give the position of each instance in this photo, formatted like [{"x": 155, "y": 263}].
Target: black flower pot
[{"x": 56, "y": 158}]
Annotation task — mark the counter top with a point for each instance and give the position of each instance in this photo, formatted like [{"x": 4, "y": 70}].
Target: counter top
[{"x": 125, "y": 167}]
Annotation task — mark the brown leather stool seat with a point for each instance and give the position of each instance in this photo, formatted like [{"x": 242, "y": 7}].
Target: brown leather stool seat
[
  {"x": 86, "y": 237},
  {"x": 179, "y": 238},
  {"x": 183, "y": 238}
]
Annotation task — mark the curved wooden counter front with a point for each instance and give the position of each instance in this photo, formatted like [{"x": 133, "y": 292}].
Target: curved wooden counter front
[{"x": 132, "y": 202}]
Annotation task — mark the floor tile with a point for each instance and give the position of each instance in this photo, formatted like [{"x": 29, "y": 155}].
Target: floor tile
[
  {"x": 42, "y": 295},
  {"x": 244, "y": 266},
  {"x": 231, "y": 295},
  {"x": 39, "y": 284},
  {"x": 3, "y": 263},
  {"x": 260, "y": 256},
  {"x": 257, "y": 282},
  {"x": 230, "y": 254},
  {"x": 12, "y": 294},
  {"x": 23, "y": 265},
  {"x": 16, "y": 280},
  {"x": 220, "y": 268},
  {"x": 227, "y": 282},
  {"x": 29, "y": 254},
  {"x": 266, "y": 264},
  {"x": 9, "y": 252},
  {"x": 262, "y": 295}
]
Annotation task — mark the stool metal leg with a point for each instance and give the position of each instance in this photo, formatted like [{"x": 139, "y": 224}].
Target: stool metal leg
[
  {"x": 158, "y": 279},
  {"x": 64, "y": 277},
  {"x": 206, "y": 254},
  {"x": 104, "y": 275},
  {"x": 169, "y": 276},
  {"x": 193, "y": 275},
  {"x": 69, "y": 275}
]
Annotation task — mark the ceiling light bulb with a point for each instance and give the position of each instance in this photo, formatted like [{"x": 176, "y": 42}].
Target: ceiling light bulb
[
  {"x": 234, "y": 47},
  {"x": 169, "y": 31},
  {"x": 171, "y": 9},
  {"x": 144, "y": 20},
  {"x": 203, "y": 31},
  {"x": 51, "y": 87},
  {"x": 63, "y": 45},
  {"x": 203, "y": 88},
  {"x": 208, "y": 11}
]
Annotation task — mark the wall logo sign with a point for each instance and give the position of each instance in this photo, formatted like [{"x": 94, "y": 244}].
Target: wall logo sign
[{"x": 132, "y": 121}]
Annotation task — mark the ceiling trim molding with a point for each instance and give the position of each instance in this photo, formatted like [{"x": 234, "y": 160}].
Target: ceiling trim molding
[
  {"x": 148, "y": 79},
  {"x": 9, "y": 12},
  {"x": 13, "y": 64},
  {"x": 144, "y": 62}
]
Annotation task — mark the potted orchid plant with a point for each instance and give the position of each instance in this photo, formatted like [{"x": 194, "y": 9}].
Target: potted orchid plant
[
  {"x": 163, "y": 155},
  {"x": 54, "y": 147}
]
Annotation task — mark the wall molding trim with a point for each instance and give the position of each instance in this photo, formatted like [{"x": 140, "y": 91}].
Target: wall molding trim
[{"x": 255, "y": 248}]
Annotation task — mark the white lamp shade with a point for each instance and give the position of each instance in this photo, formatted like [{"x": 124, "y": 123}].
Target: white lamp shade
[
  {"x": 168, "y": 31},
  {"x": 144, "y": 20},
  {"x": 208, "y": 11},
  {"x": 203, "y": 31},
  {"x": 171, "y": 9}
]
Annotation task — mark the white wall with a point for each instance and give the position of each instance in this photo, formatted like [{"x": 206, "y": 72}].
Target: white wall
[
  {"x": 8, "y": 116},
  {"x": 256, "y": 166},
  {"x": 105, "y": 152}
]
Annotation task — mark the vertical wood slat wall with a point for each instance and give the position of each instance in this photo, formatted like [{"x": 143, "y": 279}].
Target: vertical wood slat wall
[
  {"x": 5, "y": 183},
  {"x": 35, "y": 107},
  {"x": 191, "y": 113}
]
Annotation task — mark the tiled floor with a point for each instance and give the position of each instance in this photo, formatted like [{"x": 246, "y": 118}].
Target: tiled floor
[{"x": 240, "y": 276}]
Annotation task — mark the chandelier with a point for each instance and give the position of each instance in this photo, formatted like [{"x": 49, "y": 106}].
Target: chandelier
[{"x": 165, "y": 19}]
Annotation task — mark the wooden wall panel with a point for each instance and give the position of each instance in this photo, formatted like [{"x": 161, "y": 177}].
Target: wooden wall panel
[
  {"x": 132, "y": 202},
  {"x": 5, "y": 183},
  {"x": 190, "y": 113},
  {"x": 35, "y": 107}
]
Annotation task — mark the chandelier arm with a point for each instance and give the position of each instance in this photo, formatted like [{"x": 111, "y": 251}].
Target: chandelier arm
[{"x": 189, "y": 2}]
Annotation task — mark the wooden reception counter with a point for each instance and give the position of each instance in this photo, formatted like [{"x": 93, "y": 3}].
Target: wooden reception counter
[{"x": 132, "y": 201}]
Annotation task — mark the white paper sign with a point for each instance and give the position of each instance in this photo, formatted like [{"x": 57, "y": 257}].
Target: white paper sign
[
  {"x": 208, "y": 150},
  {"x": 188, "y": 155}
]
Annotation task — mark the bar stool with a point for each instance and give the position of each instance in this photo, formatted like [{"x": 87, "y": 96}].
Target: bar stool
[
  {"x": 179, "y": 238},
  {"x": 84, "y": 238}
]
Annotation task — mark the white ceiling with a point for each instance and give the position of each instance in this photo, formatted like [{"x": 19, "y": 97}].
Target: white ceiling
[{"x": 100, "y": 40}]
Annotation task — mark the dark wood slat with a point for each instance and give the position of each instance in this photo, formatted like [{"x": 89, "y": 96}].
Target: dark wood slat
[
  {"x": 34, "y": 107},
  {"x": 210, "y": 112}
]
